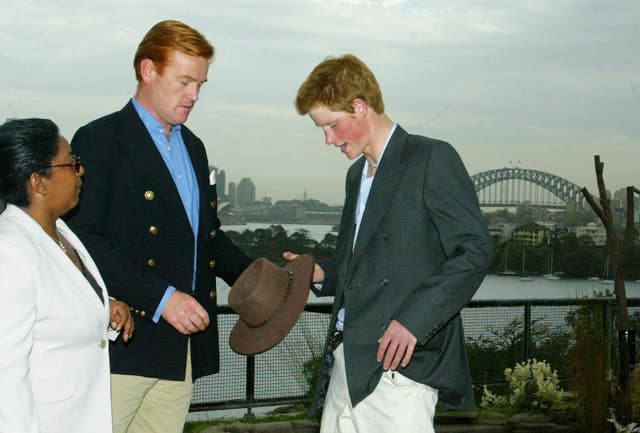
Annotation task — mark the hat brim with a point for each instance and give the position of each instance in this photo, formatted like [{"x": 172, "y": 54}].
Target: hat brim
[{"x": 251, "y": 341}]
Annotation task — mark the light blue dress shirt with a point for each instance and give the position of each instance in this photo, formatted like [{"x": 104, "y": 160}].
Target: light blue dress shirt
[{"x": 176, "y": 157}]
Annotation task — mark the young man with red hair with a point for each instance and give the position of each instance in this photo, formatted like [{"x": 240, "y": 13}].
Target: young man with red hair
[{"x": 412, "y": 250}]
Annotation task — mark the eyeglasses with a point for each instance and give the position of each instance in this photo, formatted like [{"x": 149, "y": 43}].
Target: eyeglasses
[{"x": 75, "y": 164}]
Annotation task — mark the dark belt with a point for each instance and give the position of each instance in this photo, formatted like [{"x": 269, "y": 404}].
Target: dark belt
[{"x": 334, "y": 341}]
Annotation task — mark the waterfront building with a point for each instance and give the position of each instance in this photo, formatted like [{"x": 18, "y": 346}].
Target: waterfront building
[
  {"x": 501, "y": 231},
  {"x": 246, "y": 192},
  {"x": 595, "y": 231},
  {"x": 619, "y": 207},
  {"x": 530, "y": 234},
  {"x": 232, "y": 194},
  {"x": 221, "y": 182}
]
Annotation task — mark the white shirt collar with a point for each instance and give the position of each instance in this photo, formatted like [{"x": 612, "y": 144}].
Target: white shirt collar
[{"x": 366, "y": 165}]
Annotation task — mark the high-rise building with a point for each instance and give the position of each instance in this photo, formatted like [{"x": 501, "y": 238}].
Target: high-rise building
[
  {"x": 221, "y": 182},
  {"x": 232, "y": 194},
  {"x": 219, "y": 176},
  {"x": 246, "y": 193}
]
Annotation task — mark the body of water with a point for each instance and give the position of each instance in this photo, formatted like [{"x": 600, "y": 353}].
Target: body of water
[
  {"x": 316, "y": 231},
  {"x": 500, "y": 287},
  {"x": 494, "y": 287}
]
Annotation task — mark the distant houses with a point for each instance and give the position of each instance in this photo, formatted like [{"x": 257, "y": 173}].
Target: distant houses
[
  {"x": 533, "y": 234},
  {"x": 530, "y": 234}
]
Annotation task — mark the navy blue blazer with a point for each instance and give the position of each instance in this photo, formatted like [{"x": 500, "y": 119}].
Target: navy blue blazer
[{"x": 132, "y": 221}]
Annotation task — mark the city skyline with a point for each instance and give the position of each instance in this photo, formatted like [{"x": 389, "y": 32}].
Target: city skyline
[
  {"x": 510, "y": 187},
  {"x": 540, "y": 85}
]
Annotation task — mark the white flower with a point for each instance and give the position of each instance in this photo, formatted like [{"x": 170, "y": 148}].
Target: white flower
[{"x": 532, "y": 385}]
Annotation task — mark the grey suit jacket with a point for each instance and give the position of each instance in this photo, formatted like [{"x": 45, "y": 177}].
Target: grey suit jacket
[{"x": 421, "y": 253}]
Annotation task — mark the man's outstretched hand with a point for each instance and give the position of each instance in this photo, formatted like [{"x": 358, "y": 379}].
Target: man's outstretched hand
[{"x": 318, "y": 272}]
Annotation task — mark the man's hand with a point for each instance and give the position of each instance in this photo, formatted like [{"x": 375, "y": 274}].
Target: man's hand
[
  {"x": 185, "y": 314},
  {"x": 120, "y": 319},
  {"x": 395, "y": 346},
  {"x": 318, "y": 272}
]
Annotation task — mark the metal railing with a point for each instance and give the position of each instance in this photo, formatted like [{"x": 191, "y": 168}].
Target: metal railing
[{"x": 498, "y": 334}]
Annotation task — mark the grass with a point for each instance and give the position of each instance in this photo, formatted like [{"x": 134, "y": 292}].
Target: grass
[{"x": 198, "y": 426}]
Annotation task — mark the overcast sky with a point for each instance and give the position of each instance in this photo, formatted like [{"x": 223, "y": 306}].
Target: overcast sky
[{"x": 543, "y": 85}]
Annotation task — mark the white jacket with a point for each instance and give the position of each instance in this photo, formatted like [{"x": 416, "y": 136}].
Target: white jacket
[{"x": 54, "y": 350}]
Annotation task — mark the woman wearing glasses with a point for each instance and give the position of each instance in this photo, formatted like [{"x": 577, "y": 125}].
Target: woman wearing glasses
[{"x": 54, "y": 308}]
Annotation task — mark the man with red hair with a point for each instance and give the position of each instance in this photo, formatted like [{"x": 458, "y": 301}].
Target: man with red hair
[
  {"x": 148, "y": 217},
  {"x": 412, "y": 250}
]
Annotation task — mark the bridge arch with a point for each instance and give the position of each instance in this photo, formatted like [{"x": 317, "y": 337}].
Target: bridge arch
[{"x": 508, "y": 179}]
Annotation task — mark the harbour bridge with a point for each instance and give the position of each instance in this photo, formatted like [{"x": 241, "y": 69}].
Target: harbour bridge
[{"x": 509, "y": 187}]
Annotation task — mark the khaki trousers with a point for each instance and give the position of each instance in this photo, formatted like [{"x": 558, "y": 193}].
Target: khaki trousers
[
  {"x": 398, "y": 404},
  {"x": 148, "y": 405}
]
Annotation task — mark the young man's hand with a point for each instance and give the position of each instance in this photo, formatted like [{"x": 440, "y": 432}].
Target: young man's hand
[
  {"x": 318, "y": 272},
  {"x": 396, "y": 346}
]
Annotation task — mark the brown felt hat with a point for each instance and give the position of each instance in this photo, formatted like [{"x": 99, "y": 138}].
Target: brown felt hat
[{"x": 269, "y": 301}]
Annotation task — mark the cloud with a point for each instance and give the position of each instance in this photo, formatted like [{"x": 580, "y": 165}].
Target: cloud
[{"x": 546, "y": 82}]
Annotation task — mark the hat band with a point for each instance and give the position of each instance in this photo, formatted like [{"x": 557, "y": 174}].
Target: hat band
[{"x": 278, "y": 308}]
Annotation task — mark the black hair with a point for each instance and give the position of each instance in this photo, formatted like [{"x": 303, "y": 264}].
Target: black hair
[{"x": 26, "y": 146}]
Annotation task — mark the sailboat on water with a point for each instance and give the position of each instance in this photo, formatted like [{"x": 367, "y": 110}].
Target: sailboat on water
[
  {"x": 551, "y": 275},
  {"x": 523, "y": 274},
  {"x": 504, "y": 262},
  {"x": 606, "y": 279},
  {"x": 593, "y": 277}
]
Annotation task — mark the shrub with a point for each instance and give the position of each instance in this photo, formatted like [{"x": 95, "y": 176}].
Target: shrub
[
  {"x": 310, "y": 372},
  {"x": 489, "y": 399},
  {"x": 532, "y": 386}
]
